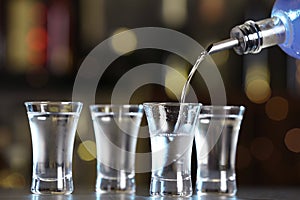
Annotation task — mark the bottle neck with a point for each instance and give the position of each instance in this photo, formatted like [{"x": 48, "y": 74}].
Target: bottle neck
[{"x": 255, "y": 36}]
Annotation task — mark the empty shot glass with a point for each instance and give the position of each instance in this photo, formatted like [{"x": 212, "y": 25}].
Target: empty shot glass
[
  {"x": 216, "y": 142},
  {"x": 116, "y": 130},
  {"x": 171, "y": 133},
  {"x": 53, "y": 127}
]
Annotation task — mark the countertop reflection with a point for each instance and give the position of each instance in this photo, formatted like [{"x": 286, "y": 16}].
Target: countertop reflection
[{"x": 245, "y": 193}]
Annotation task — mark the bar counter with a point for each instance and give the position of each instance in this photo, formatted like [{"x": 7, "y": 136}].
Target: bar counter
[{"x": 245, "y": 193}]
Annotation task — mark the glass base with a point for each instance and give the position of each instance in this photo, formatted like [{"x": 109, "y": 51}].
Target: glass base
[
  {"x": 52, "y": 186},
  {"x": 171, "y": 187},
  {"x": 216, "y": 186},
  {"x": 114, "y": 185}
]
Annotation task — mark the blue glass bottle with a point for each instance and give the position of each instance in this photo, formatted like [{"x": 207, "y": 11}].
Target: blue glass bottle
[
  {"x": 288, "y": 11},
  {"x": 283, "y": 29}
]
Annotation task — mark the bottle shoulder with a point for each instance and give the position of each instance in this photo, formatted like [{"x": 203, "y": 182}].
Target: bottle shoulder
[{"x": 288, "y": 11}]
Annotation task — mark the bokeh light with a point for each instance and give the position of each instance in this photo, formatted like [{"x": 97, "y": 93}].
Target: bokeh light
[
  {"x": 10, "y": 179},
  {"x": 257, "y": 83},
  {"x": 37, "y": 39},
  {"x": 59, "y": 54},
  {"x": 277, "y": 108},
  {"x": 87, "y": 150},
  {"x": 20, "y": 18},
  {"x": 27, "y": 35},
  {"x": 125, "y": 43},
  {"x": 258, "y": 91},
  {"x": 212, "y": 10},
  {"x": 18, "y": 155},
  {"x": 174, "y": 12},
  {"x": 292, "y": 140},
  {"x": 262, "y": 148}
]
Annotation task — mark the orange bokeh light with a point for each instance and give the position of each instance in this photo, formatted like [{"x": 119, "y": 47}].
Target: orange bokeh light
[
  {"x": 37, "y": 39},
  {"x": 277, "y": 108},
  {"x": 292, "y": 140}
]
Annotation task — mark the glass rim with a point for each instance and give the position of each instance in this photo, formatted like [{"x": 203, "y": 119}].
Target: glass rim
[
  {"x": 116, "y": 106},
  {"x": 224, "y": 107},
  {"x": 219, "y": 110},
  {"x": 52, "y": 102},
  {"x": 137, "y": 107},
  {"x": 171, "y": 103}
]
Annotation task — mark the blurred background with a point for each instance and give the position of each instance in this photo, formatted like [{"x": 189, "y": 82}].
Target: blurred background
[{"x": 43, "y": 44}]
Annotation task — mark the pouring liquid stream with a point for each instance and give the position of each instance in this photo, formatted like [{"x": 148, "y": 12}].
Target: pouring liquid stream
[
  {"x": 186, "y": 86},
  {"x": 191, "y": 74},
  {"x": 213, "y": 48}
]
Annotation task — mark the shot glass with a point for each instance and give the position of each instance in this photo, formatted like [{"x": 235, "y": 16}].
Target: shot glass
[
  {"x": 171, "y": 133},
  {"x": 116, "y": 130},
  {"x": 53, "y": 126},
  {"x": 216, "y": 142}
]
